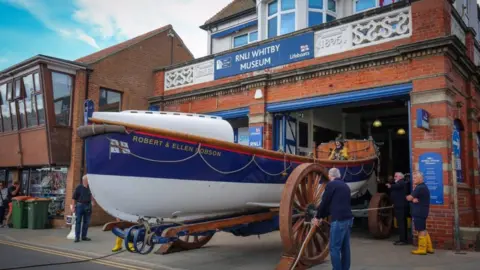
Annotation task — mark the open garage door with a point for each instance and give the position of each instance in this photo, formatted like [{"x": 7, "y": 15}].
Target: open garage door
[{"x": 286, "y": 133}]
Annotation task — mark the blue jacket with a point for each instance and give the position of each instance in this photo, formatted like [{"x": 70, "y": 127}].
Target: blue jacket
[
  {"x": 422, "y": 208},
  {"x": 336, "y": 201},
  {"x": 398, "y": 193}
]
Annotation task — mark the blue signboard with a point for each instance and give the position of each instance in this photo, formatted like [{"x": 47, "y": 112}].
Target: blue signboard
[
  {"x": 457, "y": 152},
  {"x": 154, "y": 108},
  {"x": 88, "y": 110},
  {"x": 255, "y": 137},
  {"x": 423, "y": 119},
  {"x": 272, "y": 54},
  {"x": 431, "y": 165}
]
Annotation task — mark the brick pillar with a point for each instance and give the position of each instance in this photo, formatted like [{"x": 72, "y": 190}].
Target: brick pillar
[
  {"x": 431, "y": 19},
  {"x": 258, "y": 117},
  {"x": 438, "y": 103},
  {"x": 75, "y": 169}
]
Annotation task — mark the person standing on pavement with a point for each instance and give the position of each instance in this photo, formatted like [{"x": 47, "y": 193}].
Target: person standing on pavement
[
  {"x": 398, "y": 194},
  {"x": 13, "y": 192},
  {"x": 82, "y": 206},
  {"x": 336, "y": 203},
  {"x": 420, "y": 199},
  {"x": 3, "y": 203}
]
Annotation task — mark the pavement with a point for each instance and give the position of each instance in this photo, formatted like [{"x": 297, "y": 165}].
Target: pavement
[{"x": 226, "y": 251}]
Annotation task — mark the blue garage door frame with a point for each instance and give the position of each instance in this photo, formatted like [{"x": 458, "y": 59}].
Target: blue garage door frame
[
  {"x": 230, "y": 114},
  {"x": 372, "y": 94}
]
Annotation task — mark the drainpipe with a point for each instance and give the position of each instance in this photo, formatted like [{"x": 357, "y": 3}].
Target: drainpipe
[
  {"x": 82, "y": 168},
  {"x": 171, "y": 35}
]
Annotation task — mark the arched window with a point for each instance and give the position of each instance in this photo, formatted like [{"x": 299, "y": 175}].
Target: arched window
[{"x": 457, "y": 148}]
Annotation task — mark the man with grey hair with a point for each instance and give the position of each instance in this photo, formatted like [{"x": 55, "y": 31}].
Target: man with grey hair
[
  {"x": 336, "y": 203},
  {"x": 82, "y": 202},
  {"x": 398, "y": 193}
]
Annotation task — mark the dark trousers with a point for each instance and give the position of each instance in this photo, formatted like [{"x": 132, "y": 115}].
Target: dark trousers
[
  {"x": 401, "y": 216},
  {"x": 2, "y": 214},
  {"x": 83, "y": 212}
]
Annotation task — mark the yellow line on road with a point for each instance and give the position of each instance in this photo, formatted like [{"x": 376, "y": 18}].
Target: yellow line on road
[{"x": 73, "y": 256}]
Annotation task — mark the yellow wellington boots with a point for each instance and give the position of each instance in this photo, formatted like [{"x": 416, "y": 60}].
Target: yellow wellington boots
[
  {"x": 130, "y": 246},
  {"x": 118, "y": 244},
  {"x": 429, "y": 245},
  {"x": 422, "y": 246}
]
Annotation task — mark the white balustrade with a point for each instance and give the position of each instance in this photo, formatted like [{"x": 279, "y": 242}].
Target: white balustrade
[
  {"x": 189, "y": 75},
  {"x": 367, "y": 32}
]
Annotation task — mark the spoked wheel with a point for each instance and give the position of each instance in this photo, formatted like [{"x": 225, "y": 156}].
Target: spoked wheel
[
  {"x": 301, "y": 196},
  {"x": 186, "y": 242},
  {"x": 381, "y": 218},
  {"x": 192, "y": 241}
]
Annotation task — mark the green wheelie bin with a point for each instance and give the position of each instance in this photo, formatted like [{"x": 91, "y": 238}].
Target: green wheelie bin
[
  {"x": 38, "y": 213},
  {"x": 19, "y": 212}
]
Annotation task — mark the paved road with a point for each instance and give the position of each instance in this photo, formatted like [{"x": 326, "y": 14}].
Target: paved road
[{"x": 20, "y": 256}]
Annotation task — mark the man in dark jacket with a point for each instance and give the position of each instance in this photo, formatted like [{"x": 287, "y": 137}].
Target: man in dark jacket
[
  {"x": 82, "y": 203},
  {"x": 420, "y": 199},
  {"x": 398, "y": 194},
  {"x": 336, "y": 203}
]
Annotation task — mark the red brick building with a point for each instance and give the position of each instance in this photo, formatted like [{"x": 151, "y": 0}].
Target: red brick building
[
  {"x": 372, "y": 69},
  {"x": 43, "y": 104}
]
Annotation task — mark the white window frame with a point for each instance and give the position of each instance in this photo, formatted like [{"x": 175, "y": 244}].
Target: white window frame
[
  {"x": 279, "y": 16},
  {"x": 324, "y": 12},
  {"x": 377, "y": 4},
  {"x": 248, "y": 38}
]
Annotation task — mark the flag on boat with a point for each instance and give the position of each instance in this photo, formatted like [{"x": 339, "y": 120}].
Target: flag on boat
[{"x": 119, "y": 147}]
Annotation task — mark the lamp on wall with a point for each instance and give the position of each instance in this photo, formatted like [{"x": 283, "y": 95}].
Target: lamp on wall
[
  {"x": 258, "y": 94},
  {"x": 401, "y": 131},
  {"x": 377, "y": 123}
]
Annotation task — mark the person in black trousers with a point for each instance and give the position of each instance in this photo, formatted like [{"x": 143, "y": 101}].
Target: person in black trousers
[{"x": 398, "y": 193}]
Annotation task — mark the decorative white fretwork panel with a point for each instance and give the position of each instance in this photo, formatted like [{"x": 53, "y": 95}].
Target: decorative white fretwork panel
[
  {"x": 393, "y": 25},
  {"x": 193, "y": 74},
  {"x": 367, "y": 32}
]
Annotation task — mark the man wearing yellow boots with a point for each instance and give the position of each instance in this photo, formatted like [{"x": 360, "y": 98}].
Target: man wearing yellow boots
[
  {"x": 119, "y": 243},
  {"x": 420, "y": 199}
]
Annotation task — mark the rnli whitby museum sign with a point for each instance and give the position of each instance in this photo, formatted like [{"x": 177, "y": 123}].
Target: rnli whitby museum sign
[{"x": 272, "y": 54}]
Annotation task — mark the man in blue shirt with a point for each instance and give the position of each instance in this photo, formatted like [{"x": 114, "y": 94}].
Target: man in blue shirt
[
  {"x": 336, "y": 203},
  {"x": 420, "y": 199},
  {"x": 82, "y": 206}
]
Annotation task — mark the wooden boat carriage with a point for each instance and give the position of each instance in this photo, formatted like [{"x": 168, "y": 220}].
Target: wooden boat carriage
[{"x": 301, "y": 196}]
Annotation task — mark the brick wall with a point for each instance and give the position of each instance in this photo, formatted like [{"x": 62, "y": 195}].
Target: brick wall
[{"x": 129, "y": 72}]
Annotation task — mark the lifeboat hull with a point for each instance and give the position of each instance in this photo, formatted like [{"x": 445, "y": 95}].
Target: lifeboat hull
[{"x": 145, "y": 175}]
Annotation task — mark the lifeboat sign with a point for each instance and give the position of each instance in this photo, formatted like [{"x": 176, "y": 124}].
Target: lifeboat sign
[
  {"x": 255, "y": 137},
  {"x": 89, "y": 107}
]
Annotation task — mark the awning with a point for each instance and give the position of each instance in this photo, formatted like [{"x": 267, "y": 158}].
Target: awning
[
  {"x": 234, "y": 29},
  {"x": 380, "y": 93},
  {"x": 235, "y": 113}
]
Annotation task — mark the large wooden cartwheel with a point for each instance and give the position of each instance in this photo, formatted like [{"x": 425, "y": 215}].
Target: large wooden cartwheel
[
  {"x": 301, "y": 197},
  {"x": 187, "y": 242},
  {"x": 380, "y": 220}
]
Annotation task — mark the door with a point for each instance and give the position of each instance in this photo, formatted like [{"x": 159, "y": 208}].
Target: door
[{"x": 286, "y": 133}]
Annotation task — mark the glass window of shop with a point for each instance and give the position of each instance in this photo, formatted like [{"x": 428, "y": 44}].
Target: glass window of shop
[{"x": 49, "y": 183}]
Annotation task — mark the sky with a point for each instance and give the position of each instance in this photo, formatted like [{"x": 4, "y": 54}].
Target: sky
[{"x": 70, "y": 29}]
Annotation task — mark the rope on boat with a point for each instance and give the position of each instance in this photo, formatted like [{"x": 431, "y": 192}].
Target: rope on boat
[{"x": 199, "y": 152}]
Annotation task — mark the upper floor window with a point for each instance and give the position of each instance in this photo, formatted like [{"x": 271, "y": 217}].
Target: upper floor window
[
  {"x": 110, "y": 101},
  {"x": 363, "y": 5},
  {"x": 321, "y": 11},
  {"x": 281, "y": 17},
  {"x": 21, "y": 102},
  {"x": 62, "y": 97},
  {"x": 244, "y": 39}
]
